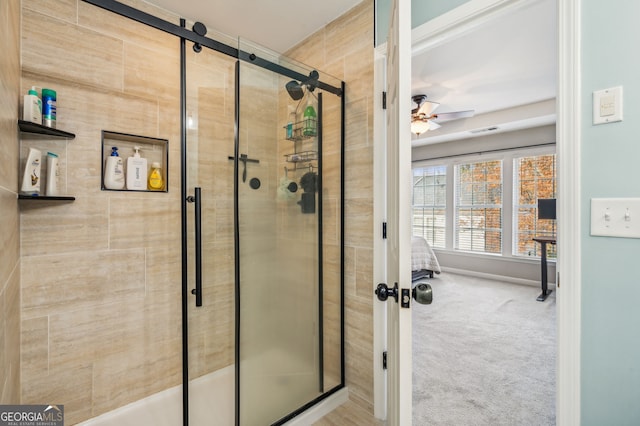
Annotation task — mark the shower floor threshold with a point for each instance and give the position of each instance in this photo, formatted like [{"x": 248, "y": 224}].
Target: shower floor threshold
[{"x": 165, "y": 408}]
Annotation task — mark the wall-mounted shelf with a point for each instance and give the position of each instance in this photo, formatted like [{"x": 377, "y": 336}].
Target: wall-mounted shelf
[
  {"x": 39, "y": 129},
  {"x": 45, "y": 198}
]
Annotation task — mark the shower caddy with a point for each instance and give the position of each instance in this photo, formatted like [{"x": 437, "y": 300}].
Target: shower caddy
[{"x": 303, "y": 133}]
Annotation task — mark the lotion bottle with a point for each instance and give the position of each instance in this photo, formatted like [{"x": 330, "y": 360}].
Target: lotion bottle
[
  {"x": 136, "y": 171},
  {"x": 114, "y": 171},
  {"x": 53, "y": 173},
  {"x": 31, "y": 177}
]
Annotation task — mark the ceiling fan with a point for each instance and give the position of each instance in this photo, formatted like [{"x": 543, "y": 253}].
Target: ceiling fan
[{"x": 423, "y": 116}]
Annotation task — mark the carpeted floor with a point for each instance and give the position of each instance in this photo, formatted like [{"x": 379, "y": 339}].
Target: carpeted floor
[{"x": 483, "y": 354}]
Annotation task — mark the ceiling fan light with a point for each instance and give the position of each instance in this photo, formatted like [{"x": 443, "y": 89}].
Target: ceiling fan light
[{"x": 419, "y": 126}]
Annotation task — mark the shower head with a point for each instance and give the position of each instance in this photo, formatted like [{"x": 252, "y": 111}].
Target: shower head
[{"x": 296, "y": 90}]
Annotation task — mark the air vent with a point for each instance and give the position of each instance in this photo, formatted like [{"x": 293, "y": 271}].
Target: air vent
[{"x": 487, "y": 129}]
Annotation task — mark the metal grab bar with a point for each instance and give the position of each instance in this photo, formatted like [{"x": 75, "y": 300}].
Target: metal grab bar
[{"x": 196, "y": 198}]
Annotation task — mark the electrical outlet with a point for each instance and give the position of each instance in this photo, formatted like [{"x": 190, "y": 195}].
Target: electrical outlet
[{"x": 615, "y": 217}]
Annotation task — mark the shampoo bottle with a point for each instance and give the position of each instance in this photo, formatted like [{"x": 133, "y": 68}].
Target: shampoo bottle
[
  {"x": 31, "y": 177},
  {"x": 114, "y": 171},
  {"x": 53, "y": 173},
  {"x": 136, "y": 171},
  {"x": 32, "y": 109},
  {"x": 156, "y": 182}
]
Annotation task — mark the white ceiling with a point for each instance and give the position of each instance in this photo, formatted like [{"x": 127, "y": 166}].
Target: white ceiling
[
  {"x": 507, "y": 62},
  {"x": 276, "y": 24}
]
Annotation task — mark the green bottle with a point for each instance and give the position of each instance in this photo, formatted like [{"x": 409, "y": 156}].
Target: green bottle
[{"x": 309, "y": 119}]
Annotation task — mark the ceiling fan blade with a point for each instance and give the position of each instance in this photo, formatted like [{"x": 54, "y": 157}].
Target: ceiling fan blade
[
  {"x": 433, "y": 125},
  {"x": 453, "y": 115},
  {"x": 427, "y": 108}
]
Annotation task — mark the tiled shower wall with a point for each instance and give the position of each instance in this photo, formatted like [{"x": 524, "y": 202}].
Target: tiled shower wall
[
  {"x": 344, "y": 49},
  {"x": 9, "y": 213},
  {"x": 100, "y": 275}
]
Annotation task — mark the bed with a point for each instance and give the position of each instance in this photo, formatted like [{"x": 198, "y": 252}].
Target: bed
[{"x": 423, "y": 260}]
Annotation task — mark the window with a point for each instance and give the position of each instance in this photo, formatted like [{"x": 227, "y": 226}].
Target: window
[
  {"x": 429, "y": 204},
  {"x": 478, "y": 207},
  {"x": 486, "y": 203},
  {"x": 534, "y": 177}
]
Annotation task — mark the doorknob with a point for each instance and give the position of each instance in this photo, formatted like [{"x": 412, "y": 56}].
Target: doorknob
[
  {"x": 423, "y": 294},
  {"x": 383, "y": 292}
]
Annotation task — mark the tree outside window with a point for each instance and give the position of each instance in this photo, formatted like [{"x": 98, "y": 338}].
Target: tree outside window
[
  {"x": 478, "y": 207},
  {"x": 534, "y": 178}
]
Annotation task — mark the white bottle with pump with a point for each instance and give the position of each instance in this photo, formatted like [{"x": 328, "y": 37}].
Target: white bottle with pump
[
  {"x": 114, "y": 171},
  {"x": 32, "y": 108},
  {"x": 136, "y": 171}
]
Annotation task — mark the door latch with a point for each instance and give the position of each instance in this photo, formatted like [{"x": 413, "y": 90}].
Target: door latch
[{"x": 384, "y": 292}]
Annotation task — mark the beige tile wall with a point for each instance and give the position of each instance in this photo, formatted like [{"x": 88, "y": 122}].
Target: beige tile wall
[
  {"x": 9, "y": 213},
  {"x": 101, "y": 275},
  {"x": 344, "y": 48}
]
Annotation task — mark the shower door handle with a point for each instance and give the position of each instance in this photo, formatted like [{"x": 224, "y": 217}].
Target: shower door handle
[{"x": 196, "y": 199}]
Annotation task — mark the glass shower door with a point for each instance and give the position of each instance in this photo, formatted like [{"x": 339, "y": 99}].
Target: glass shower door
[
  {"x": 265, "y": 331},
  {"x": 279, "y": 352},
  {"x": 210, "y": 116}
]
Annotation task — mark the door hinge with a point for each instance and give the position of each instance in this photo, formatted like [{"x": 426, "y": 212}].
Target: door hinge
[
  {"x": 384, "y": 230},
  {"x": 384, "y": 360},
  {"x": 384, "y": 100}
]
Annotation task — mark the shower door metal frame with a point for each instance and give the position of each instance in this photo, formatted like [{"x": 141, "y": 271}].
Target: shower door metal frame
[{"x": 185, "y": 35}]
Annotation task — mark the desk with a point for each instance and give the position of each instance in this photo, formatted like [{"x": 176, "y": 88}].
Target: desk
[{"x": 543, "y": 263}]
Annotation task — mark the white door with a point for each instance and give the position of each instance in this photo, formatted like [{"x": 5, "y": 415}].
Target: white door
[{"x": 398, "y": 213}]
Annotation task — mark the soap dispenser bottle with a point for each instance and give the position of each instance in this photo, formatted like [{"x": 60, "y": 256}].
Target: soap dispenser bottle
[
  {"x": 136, "y": 171},
  {"x": 114, "y": 171}
]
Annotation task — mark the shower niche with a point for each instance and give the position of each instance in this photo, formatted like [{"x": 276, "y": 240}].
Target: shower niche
[{"x": 153, "y": 149}]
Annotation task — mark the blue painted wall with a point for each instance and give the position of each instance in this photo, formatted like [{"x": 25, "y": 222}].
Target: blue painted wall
[
  {"x": 421, "y": 12},
  {"x": 610, "y": 168}
]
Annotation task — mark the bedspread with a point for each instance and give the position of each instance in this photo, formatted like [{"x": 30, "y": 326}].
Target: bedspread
[{"x": 422, "y": 256}]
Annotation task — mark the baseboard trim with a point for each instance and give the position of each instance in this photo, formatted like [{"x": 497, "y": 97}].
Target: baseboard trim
[{"x": 513, "y": 280}]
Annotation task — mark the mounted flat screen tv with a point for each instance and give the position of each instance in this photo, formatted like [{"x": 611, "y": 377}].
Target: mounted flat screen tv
[{"x": 546, "y": 208}]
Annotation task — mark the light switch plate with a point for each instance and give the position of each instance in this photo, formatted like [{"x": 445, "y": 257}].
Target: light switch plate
[
  {"x": 615, "y": 217},
  {"x": 607, "y": 105}
]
